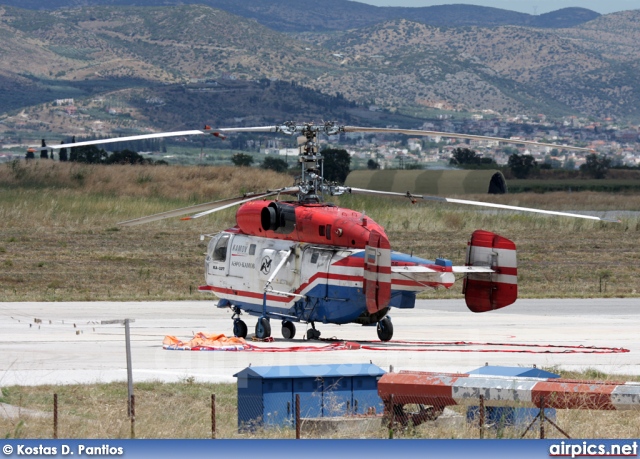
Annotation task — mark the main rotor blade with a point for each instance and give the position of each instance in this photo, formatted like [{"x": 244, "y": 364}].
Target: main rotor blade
[
  {"x": 250, "y": 129},
  {"x": 290, "y": 190},
  {"x": 478, "y": 203},
  {"x": 157, "y": 135},
  {"x": 459, "y": 136},
  {"x": 208, "y": 206}
]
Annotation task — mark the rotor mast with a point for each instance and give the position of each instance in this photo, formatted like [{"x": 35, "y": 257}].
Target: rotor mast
[{"x": 311, "y": 182}]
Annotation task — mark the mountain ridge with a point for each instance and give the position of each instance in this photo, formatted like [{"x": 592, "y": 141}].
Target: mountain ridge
[
  {"x": 398, "y": 67},
  {"x": 341, "y": 15}
]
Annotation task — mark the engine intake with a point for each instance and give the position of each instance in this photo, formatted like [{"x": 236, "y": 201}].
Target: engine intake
[{"x": 278, "y": 217}]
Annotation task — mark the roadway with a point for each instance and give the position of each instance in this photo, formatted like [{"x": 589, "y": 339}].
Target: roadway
[{"x": 66, "y": 342}]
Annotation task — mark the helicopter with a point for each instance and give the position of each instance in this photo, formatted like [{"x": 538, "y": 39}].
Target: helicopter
[{"x": 307, "y": 260}]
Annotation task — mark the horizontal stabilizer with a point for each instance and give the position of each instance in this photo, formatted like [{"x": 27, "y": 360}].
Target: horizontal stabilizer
[
  {"x": 424, "y": 275},
  {"x": 472, "y": 269}
]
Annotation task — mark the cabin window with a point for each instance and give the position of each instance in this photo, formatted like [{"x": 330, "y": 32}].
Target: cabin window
[
  {"x": 220, "y": 252},
  {"x": 252, "y": 249},
  {"x": 314, "y": 257},
  {"x": 321, "y": 230}
]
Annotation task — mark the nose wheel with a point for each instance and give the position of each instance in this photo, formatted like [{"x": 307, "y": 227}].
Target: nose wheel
[
  {"x": 263, "y": 328},
  {"x": 239, "y": 328},
  {"x": 385, "y": 329}
]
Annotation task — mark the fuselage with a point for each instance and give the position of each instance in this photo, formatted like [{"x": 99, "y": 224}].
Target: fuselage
[{"x": 321, "y": 251}]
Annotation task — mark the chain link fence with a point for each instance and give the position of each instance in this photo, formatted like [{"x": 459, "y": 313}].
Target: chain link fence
[{"x": 194, "y": 411}]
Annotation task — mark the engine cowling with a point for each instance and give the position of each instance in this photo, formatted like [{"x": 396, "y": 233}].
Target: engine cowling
[{"x": 302, "y": 222}]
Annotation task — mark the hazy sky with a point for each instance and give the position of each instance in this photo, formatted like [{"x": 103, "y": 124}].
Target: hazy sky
[{"x": 524, "y": 6}]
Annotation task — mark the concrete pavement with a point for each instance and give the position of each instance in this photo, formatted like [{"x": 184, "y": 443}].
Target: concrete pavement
[{"x": 65, "y": 342}]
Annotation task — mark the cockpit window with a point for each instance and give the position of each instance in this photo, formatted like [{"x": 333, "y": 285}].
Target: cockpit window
[{"x": 220, "y": 252}]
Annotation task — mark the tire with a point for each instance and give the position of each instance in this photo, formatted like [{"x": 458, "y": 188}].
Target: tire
[
  {"x": 288, "y": 330},
  {"x": 239, "y": 328},
  {"x": 263, "y": 328},
  {"x": 313, "y": 334},
  {"x": 385, "y": 329}
]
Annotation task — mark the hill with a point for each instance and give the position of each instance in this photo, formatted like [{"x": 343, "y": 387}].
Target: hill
[
  {"x": 336, "y": 15},
  {"x": 165, "y": 67},
  {"x": 507, "y": 69}
]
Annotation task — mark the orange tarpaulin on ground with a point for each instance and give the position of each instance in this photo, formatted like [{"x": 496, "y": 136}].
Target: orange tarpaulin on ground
[{"x": 206, "y": 342}]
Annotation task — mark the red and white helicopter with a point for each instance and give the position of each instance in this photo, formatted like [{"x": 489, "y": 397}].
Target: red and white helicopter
[{"x": 307, "y": 260}]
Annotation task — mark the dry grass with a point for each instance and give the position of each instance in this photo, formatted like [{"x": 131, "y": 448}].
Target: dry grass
[
  {"x": 59, "y": 239},
  {"x": 183, "y": 410}
]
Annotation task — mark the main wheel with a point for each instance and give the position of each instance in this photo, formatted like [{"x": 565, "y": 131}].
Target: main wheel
[
  {"x": 288, "y": 329},
  {"x": 239, "y": 328},
  {"x": 263, "y": 328},
  {"x": 385, "y": 329}
]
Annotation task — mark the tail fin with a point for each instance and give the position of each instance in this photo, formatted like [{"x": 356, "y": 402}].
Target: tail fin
[
  {"x": 488, "y": 291},
  {"x": 377, "y": 272}
]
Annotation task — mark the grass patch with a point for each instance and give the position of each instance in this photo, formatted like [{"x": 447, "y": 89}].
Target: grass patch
[
  {"x": 183, "y": 410},
  {"x": 56, "y": 231}
]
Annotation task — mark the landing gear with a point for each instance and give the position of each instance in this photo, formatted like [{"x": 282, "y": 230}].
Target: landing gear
[
  {"x": 263, "y": 328},
  {"x": 385, "y": 329},
  {"x": 312, "y": 333},
  {"x": 239, "y": 328},
  {"x": 288, "y": 329}
]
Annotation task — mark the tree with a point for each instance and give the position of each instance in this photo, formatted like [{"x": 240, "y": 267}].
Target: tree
[
  {"x": 522, "y": 165},
  {"x": 464, "y": 156},
  {"x": 596, "y": 166},
  {"x": 44, "y": 154},
  {"x": 125, "y": 157},
  {"x": 242, "y": 160},
  {"x": 275, "y": 164},
  {"x": 373, "y": 165},
  {"x": 336, "y": 164},
  {"x": 88, "y": 154},
  {"x": 569, "y": 164},
  {"x": 62, "y": 154}
]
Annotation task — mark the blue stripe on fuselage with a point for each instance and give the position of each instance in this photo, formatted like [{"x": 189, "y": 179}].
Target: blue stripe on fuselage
[
  {"x": 402, "y": 258},
  {"x": 335, "y": 304}
]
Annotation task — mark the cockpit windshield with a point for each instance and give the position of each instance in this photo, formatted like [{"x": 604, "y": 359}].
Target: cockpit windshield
[{"x": 220, "y": 250}]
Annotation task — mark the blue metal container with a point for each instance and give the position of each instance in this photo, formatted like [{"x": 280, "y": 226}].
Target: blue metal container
[{"x": 266, "y": 395}]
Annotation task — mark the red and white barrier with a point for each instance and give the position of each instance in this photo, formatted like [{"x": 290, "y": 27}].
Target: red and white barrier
[{"x": 441, "y": 389}]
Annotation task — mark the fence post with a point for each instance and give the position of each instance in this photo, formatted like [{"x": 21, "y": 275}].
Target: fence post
[
  {"x": 55, "y": 416},
  {"x": 133, "y": 415},
  {"x": 542, "y": 417},
  {"x": 127, "y": 339},
  {"x": 482, "y": 416},
  {"x": 297, "y": 416},
  {"x": 391, "y": 416},
  {"x": 213, "y": 415}
]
